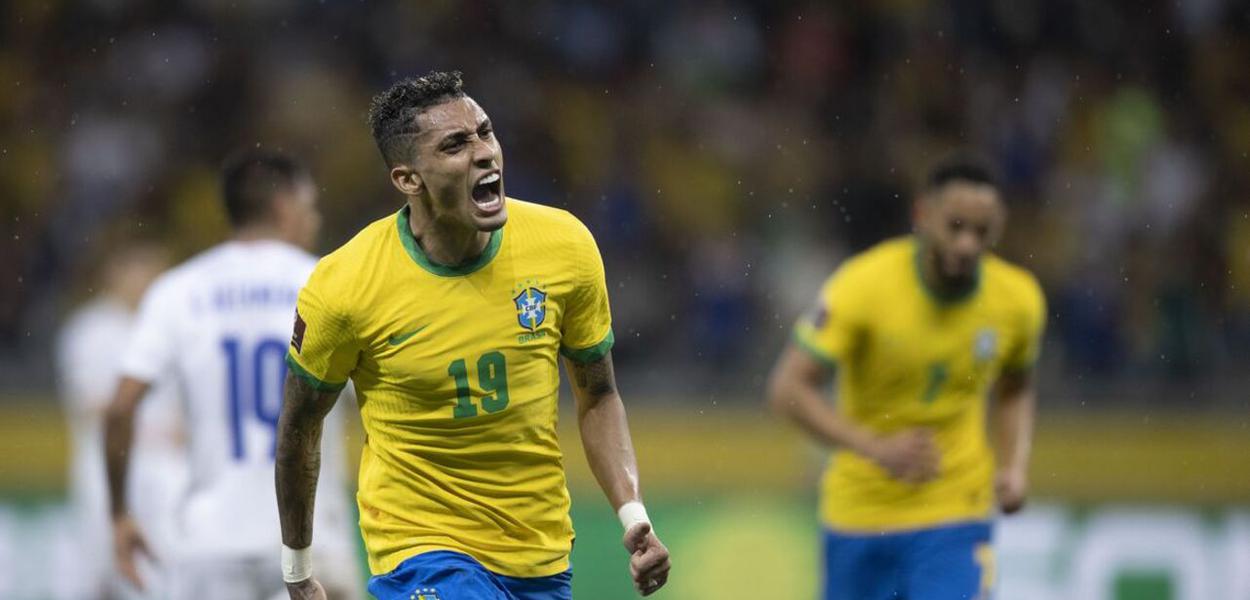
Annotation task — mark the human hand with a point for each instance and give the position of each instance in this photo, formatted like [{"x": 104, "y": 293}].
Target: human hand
[
  {"x": 128, "y": 543},
  {"x": 308, "y": 589},
  {"x": 648, "y": 559},
  {"x": 1012, "y": 488},
  {"x": 910, "y": 455}
]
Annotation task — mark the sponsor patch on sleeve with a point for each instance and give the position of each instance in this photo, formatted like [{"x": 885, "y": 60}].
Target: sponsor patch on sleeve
[
  {"x": 819, "y": 316},
  {"x": 297, "y": 338}
]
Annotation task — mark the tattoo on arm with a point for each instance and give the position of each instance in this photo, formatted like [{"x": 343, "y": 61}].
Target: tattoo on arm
[
  {"x": 1011, "y": 383},
  {"x": 605, "y": 429},
  {"x": 595, "y": 378},
  {"x": 297, "y": 461}
]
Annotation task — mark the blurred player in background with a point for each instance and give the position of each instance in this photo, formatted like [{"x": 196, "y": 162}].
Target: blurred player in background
[
  {"x": 449, "y": 318},
  {"x": 921, "y": 330},
  {"x": 87, "y": 360},
  {"x": 219, "y": 325}
]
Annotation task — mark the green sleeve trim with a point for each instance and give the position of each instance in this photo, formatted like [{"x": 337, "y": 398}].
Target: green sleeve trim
[
  {"x": 1020, "y": 369},
  {"x": 814, "y": 352},
  {"x": 591, "y": 354},
  {"x": 317, "y": 384}
]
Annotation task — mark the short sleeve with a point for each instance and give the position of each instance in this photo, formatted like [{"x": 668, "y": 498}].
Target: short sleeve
[
  {"x": 323, "y": 349},
  {"x": 831, "y": 328},
  {"x": 1027, "y": 344},
  {"x": 85, "y": 361},
  {"x": 586, "y": 333},
  {"x": 151, "y": 351}
]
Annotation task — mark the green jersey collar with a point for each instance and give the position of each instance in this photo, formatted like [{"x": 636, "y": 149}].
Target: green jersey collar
[{"x": 418, "y": 255}]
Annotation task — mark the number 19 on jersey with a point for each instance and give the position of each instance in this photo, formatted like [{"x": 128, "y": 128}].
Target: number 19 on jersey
[{"x": 254, "y": 374}]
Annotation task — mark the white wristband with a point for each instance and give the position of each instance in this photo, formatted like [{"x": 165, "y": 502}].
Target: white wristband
[
  {"x": 632, "y": 513},
  {"x": 296, "y": 564}
]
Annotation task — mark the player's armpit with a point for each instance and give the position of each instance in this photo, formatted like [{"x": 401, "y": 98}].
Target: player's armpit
[{"x": 297, "y": 460}]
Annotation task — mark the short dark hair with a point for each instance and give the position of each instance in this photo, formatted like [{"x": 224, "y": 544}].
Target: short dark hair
[
  {"x": 251, "y": 178},
  {"x": 964, "y": 167},
  {"x": 393, "y": 113}
]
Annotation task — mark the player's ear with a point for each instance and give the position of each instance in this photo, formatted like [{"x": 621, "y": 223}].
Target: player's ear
[
  {"x": 281, "y": 206},
  {"x": 407, "y": 180},
  {"x": 999, "y": 225},
  {"x": 918, "y": 211}
]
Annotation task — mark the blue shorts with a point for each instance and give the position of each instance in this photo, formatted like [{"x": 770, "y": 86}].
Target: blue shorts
[
  {"x": 953, "y": 562},
  {"x": 444, "y": 575}
]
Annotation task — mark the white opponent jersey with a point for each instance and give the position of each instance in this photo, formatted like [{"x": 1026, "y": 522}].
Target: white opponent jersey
[{"x": 220, "y": 324}]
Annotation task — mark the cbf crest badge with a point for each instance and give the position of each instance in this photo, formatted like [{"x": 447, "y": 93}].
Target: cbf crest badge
[
  {"x": 531, "y": 308},
  {"x": 985, "y": 345}
]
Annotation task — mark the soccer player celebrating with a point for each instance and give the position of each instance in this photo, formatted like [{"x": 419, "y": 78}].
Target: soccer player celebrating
[
  {"x": 216, "y": 326},
  {"x": 921, "y": 330},
  {"x": 448, "y": 318}
]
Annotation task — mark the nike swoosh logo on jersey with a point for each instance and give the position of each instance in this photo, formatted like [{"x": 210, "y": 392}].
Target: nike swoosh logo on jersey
[{"x": 398, "y": 339}]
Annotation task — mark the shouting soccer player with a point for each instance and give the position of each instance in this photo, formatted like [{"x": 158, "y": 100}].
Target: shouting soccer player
[
  {"x": 448, "y": 317},
  {"x": 217, "y": 326},
  {"x": 920, "y": 330}
]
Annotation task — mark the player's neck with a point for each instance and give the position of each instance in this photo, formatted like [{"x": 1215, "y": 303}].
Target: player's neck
[
  {"x": 943, "y": 288},
  {"x": 445, "y": 242},
  {"x": 121, "y": 296}
]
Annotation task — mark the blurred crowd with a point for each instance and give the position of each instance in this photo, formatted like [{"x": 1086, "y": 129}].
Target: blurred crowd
[{"x": 726, "y": 154}]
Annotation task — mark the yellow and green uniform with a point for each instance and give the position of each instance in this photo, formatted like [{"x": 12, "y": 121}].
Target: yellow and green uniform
[
  {"x": 456, "y": 375},
  {"x": 906, "y": 358}
]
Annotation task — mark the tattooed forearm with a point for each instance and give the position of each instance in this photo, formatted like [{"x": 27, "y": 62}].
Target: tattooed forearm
[
  {"x": 297, "y": 461},
  {"x": 605, "y": 430},
  {"x": 595, "y": 378}
]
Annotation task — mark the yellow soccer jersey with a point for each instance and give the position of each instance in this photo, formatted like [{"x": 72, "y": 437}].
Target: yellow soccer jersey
[
  {"x": 456, "y": 375},
  {"x": 906, "y": 359}
]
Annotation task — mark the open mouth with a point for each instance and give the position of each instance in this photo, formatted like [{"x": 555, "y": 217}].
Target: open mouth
[{"x": 486, "y": 192}]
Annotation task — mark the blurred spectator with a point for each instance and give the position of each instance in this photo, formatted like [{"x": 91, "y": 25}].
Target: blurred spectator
[{"x": 701, "y": 141}]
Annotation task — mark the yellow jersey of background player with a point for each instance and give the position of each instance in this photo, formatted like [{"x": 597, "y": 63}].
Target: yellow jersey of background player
[
  {"x": 921, "y": 331},
  {"x": 449, "y": 318}
]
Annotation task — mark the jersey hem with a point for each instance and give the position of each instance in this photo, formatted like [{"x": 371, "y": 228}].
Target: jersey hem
[
  {"x": 396, "y": 560},
  {"x": 872, "y": 531},
  {"x": 591, "y": 354},
  {"x": 312, "y": 380},
  {"x": 904, "y": 525}
]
